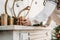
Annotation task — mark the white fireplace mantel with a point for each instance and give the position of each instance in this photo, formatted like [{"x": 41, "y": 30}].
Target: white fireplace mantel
[
  {"x": 17, "y": 27},
  {"x": 16, "y": 32}
]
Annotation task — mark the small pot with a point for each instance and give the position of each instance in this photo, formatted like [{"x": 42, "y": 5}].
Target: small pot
[
  {"x": 4, "y": 19},
  {"x": 10, "y": 21},
  {"x": 14, "y": 20}
]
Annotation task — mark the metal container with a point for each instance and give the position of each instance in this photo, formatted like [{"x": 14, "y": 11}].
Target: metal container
[
  {"x": 11, "y": 21},
  {"x": 4, "y": 19},
  {"x": 14, "y": 20},
  {"x": 18, "y": 21}
]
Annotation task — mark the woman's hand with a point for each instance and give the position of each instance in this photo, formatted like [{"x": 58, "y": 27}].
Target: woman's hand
[{"x": 26, "y": 22}]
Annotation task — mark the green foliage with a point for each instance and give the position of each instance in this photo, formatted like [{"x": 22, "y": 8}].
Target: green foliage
[{"x": 56, "y": 33}]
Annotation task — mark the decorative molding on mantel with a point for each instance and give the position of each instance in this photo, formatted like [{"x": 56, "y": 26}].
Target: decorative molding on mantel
[{"x": 23, "y": 28}]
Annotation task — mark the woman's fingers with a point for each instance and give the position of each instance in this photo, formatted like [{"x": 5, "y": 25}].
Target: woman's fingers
[{"x": 26, "y": 23}]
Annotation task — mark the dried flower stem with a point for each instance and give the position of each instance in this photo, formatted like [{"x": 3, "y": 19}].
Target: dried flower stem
[
  {"x": 6, "y": 6},
  {"x": 27, "y": 8}
]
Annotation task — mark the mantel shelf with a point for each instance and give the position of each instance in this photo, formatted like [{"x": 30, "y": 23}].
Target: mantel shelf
[
  {"x": 17, "y": 32},
  {"x": 18, "y": 27}
]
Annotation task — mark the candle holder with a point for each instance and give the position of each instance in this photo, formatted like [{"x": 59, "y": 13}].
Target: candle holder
[{"x": 4, "y": 19}]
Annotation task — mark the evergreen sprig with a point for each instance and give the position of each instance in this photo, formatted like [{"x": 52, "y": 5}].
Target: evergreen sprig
[{"x": 57, "y": 32}]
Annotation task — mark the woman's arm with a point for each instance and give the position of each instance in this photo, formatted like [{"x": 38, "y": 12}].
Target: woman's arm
[{"x": 46, "y": 12}]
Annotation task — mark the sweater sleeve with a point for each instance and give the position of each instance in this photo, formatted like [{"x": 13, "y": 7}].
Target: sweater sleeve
[{"x": 46, "y": 12}]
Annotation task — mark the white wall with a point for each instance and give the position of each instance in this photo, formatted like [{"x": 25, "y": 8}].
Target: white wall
[
  {"x": 36, "y": 8},
  {"x": 1, "y": 6}
]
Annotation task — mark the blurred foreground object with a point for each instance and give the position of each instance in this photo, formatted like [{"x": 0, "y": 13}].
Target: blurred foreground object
[{"x": 56, "y": 33}]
